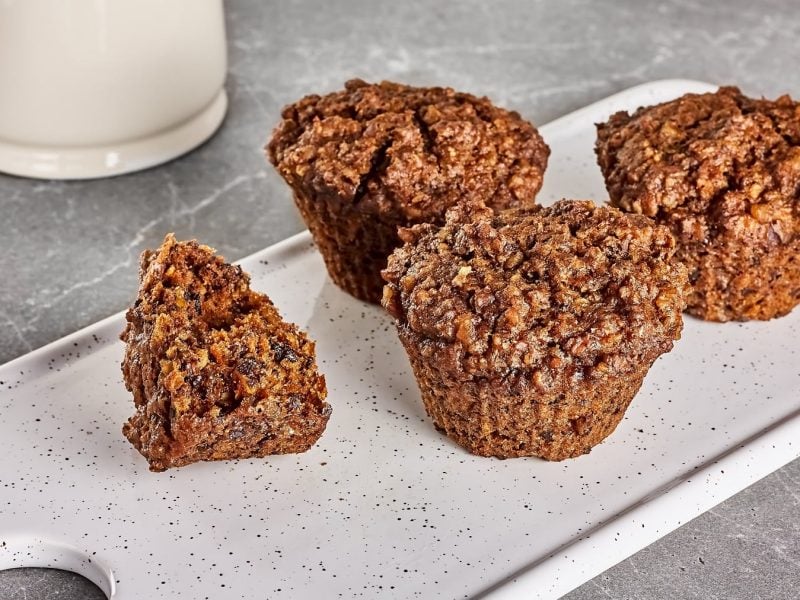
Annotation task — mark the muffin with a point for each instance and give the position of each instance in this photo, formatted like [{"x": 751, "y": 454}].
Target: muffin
[
  {"x": 215, "y": 372},
  {"x": 530, "y": 330},
  {"x": 722, "y": 171},
  {"x": 370, "y": 158}
]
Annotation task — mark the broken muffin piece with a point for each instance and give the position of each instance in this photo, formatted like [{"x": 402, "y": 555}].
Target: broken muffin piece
[{"x": 216, "y": 374}]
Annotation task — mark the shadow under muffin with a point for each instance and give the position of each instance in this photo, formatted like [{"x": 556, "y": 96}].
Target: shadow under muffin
[
  {"x": 374, "y": 157},
  {"x": 722, "y": 171},
  {"x": 530, "y": 331}
]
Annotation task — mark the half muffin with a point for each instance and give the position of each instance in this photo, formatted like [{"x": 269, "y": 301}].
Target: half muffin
[{"x": 216, "y": 374}]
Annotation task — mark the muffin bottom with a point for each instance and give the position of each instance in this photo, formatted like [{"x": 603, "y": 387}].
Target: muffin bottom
[
  {"x": 489, "y": 419},
  {"x": 354, "y": 244},
  {"x": 737, "y": 284}
]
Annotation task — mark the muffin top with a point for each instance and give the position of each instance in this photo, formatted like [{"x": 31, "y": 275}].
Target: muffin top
[
  {"x": 548, "y": 296},
  {"x": 407, "y": 153},
  {"x": 715, "y": 166}
]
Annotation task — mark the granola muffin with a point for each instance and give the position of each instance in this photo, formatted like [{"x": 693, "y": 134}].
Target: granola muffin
[
  {"x": 722, "y": 171},
  {"x": 370, "y": 158},
  {"x": 215, "y": 372},
  {"x": 529, "y": 331}
]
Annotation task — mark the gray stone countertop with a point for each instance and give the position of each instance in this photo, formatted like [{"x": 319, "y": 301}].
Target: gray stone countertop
[{"x": 68, "y": 250}]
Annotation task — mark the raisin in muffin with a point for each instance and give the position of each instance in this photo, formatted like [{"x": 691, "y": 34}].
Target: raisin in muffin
[
  {"x": 370, "y": 158},
  {"x": 529, "y": 331},
  {"x": 722, "y": 171},
  {"x": 215, "y": 372}
]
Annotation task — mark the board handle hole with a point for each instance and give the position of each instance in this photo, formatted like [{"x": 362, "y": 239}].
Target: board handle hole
[
  {"x": 48, "y": 584},
  {"x": 24, "y": 560}
]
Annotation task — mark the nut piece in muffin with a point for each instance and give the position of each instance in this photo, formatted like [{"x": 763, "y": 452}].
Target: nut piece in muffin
[
  {"x": 722, "y": 171},
  {"x": 529, "y": 331},
  {"x": 215, "y": 372},
  {"x": 370, "y": 158}
]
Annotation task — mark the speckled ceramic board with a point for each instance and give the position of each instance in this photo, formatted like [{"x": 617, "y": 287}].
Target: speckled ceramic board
[{"x": 384, "y": 505}]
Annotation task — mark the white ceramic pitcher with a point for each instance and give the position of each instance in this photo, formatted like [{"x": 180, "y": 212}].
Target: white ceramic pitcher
[{"x": 90, "y": 88}]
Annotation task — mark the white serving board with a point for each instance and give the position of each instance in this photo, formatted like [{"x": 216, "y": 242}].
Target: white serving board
[{"x": 384, "y": 505}]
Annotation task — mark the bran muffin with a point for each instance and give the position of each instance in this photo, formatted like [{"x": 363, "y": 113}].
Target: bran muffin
[
  {"x": 722, "y": 171},
  {"x": 529, "y": 331},
  {"x": 370, "y": 158},
  {"x": 215, "y": 372}
]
